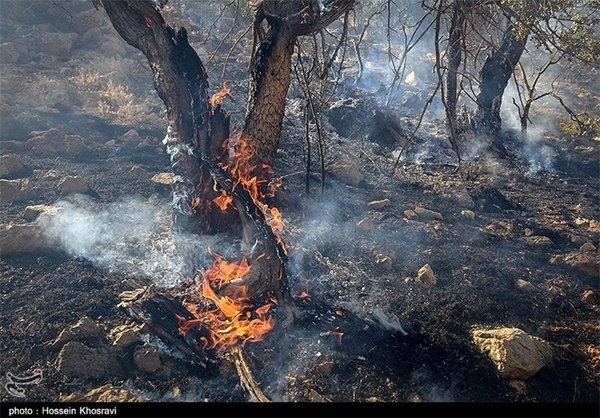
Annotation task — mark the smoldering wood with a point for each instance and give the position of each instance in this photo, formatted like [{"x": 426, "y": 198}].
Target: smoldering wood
[
  {"x": 163, "y": 314},
  {"x": 495, "y": 74}
]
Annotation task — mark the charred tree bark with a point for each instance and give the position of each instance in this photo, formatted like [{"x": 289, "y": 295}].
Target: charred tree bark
[
  {"x": 495, "y": 73},
  {"x": 182, "y": 83},
  {"x": 271, "y": 65}
]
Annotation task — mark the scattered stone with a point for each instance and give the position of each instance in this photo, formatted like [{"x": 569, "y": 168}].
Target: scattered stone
[
  {"x": 14, "y": 190},
  {"x": 84, "y": 328},
  {"x": 131, "y": 136},
  {"x": 76, "y": 360},
  {"x": 462, "y": 198},
  {"x": 590, "y": 297},
  {"x": 584, "y": 210},
  {"x": 72, "y": 185},
  {"x": 539, "y": 241},
  {"x": 379, "y": 204},
  {"x": 469, "y": 214},
  {"x": 54, "y": 141},
  {"x": 138, "y": 171},
  {"x": 314, "y": 396},
  {"x": 428, "y": 214},
  {"x": 176, "y": 391},
  {"x": 588, "y": 246},
  {"x": 518, "y": 385},
  {"x": 33, "y": 212},
  {"x": 163, "y": 178},
  {"x": 499, "y": 229},
  {"x": 384, "y": 261},
  {"x": 410, "y": 214},
  {"x": 106, "y": 393},
  {"x": 111, "y": 144},
  {"x": 594, "y": 226},
  {"x": 22, "y": 238},
  {"x": 426, "y": 276},
  {"x": 125, "y": 335},
  {"x": 10, "y": 165},
  {"x": 577, "y": 239},
  {"x": 365, "y": 224},
  {"x": 146, "y": 359},
  {"x": 525, "y": 286},
  {"x": 348, "y": 171},
  {"x": 325, "y": 368},
  {"x": 515, "y": 354},
  {"x": 528, "y": 232},
  {"x": 587, "y": 261}
]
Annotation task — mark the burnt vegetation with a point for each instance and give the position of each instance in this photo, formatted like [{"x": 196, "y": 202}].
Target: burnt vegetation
[{"x": 301, "y": 200}]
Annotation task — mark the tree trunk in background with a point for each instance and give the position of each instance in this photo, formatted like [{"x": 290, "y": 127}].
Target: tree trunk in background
[
  {"x": 455, "y": 55},
  {"x": 271, "y": 66},
  {"x": 182, "y": 84},
  {"x": 495, "y": 73}
]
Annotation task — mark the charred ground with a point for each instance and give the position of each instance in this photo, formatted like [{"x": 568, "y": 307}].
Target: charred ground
[{"x": 402, "y": 341}]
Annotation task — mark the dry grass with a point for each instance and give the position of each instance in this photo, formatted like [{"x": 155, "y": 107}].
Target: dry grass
[{"x": 109, "y": 100}]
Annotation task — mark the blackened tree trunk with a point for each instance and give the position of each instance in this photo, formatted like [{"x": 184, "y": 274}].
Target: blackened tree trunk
[
  {"x": 495, "y": 73},
  {"x": 455, "y": 56},
  {"x": 271, "y": 66},
  {"x": 181, "y": 83}
]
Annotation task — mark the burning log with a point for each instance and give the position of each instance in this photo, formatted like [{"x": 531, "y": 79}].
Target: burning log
[{"x": 163, "y": 315}]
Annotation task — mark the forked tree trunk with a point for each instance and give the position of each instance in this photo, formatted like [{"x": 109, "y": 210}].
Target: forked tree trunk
[{"x": 495, "y": 74}]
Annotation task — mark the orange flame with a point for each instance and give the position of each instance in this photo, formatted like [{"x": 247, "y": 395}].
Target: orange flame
[
  {"x": 242, "y": 170},
  {"x": 234, "y": 319},
  {"x": 223, "y": 201},
  {"x": 218, "y": 97}
]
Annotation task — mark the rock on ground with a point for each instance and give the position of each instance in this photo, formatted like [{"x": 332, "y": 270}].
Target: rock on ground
[
  {"x": 84, "y": 328},
  {"x": 106, "y": 393},
  {"x": 515, "y": 354},
  {"x": 348, "y": 171},
  {"x": 10, "y": 165},
  {"x": 76, "y": 360},
  {"x": 22, "y": 238},
  {"x": 15, "y": 190}
]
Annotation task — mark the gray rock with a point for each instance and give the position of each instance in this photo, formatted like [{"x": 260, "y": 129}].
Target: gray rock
[
  {"x": 428, "y": 214},
  {"x": 15, "y": 190},
  {"x": 33, "y": 212},
  {"x": 146, "y": 359},
  {"x": 72, "y": 185},
  {"x": 10, "y": 165},
  {"x": 348, "y": 171}
]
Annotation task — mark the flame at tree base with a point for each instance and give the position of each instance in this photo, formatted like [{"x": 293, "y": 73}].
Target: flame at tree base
[{"x": 233, "y": 319}]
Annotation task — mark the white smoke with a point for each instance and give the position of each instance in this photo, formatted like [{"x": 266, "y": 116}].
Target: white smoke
[{"x": 132, "y": 236}]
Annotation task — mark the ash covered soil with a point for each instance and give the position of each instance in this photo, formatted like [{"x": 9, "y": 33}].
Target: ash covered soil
[{"x": 510, "y": 243}]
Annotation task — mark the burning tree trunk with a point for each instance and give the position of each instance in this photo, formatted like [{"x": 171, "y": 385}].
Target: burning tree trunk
[
  {"x": 181, "y": 82},
  {"x": 495, "y": 73},
  {"x": 271, "y": 65}
]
